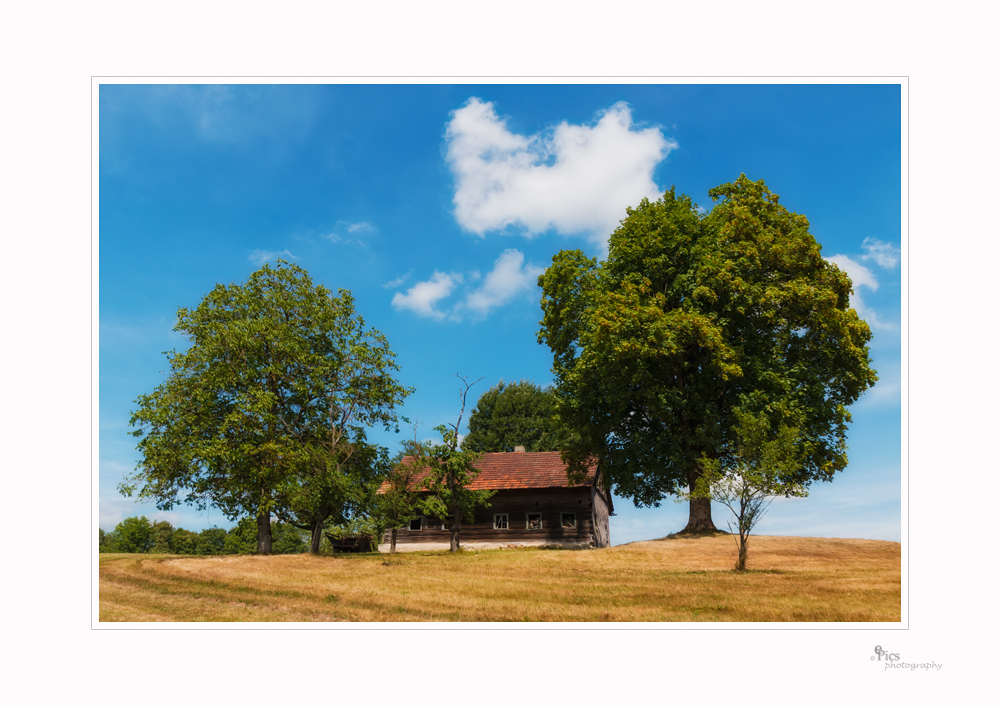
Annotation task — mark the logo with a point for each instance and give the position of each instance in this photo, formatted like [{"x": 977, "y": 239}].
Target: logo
[
  {"x": 881, "y": 654},
  {"x": 892, "y": 662}
]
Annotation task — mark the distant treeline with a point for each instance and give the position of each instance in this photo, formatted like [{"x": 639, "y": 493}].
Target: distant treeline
[{"x": 138, "y": 535}]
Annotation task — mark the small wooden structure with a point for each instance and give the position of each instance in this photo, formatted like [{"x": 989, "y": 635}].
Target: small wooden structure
[
  {"x": 534, "y": 505},
  {"x": 353, "y": 543}
]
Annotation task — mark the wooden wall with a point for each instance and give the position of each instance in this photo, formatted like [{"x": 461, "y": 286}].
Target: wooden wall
[
  {"x": 517, "y": 504},
  {"x": 602, "y": 525}
]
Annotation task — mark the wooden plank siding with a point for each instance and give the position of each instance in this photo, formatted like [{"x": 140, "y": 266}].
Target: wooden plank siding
[
  {"x": 517, "y": 504},
  {"x": 602, "y": 524}
]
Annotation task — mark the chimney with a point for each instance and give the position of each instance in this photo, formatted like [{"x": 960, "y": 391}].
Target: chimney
[{"x": 519, "y": 449}]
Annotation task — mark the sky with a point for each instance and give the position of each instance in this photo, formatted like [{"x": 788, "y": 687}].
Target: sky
[{"x": 438, "y": 206}]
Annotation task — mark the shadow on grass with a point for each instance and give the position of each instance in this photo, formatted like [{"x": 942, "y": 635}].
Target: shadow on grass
[
  {"x": 745, "y": 572},
  {"x": 694, "y": 535}
]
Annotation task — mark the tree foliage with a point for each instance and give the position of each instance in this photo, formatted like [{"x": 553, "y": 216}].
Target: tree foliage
[
  {"x": 242, "y": 538},
  {"x": 336, "y": 489},
  {"x": 133, "y": 535},
  {"x": 691, "y": 320},
  {"x": 514, "y": 414},
  {"x": 139, "y": 535},
  {"x": 449, "y": 471},
  {"x": 399, "y": 502},
  {"x": 163, "y": 533},
  {"x": 763, "y": 466},
  {"x": 184, "y": 542},
  {"x": 268, "y": 405}
]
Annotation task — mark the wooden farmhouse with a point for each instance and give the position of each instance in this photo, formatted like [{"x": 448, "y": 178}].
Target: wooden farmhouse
[{"x": 534, "y": 505}]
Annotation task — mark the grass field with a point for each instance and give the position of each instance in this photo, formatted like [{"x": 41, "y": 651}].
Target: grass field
[{"x": 672, "y": 579}]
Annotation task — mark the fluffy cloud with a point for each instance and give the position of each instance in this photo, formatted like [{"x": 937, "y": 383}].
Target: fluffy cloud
[
  {"x": 576, "y": 179},
  {"x": 860, "y": 276},
  {"x": 421, "y": 297},
  {"x": 509, "y": 277},
  {"x": 885, "y": 255},
  {"x": 259, "y": 257}
]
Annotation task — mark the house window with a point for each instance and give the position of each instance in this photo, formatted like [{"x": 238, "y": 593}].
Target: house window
[
  {"x": 415, "y": 523},
  {"x": 500, "y": 521},
  {"x": 569, "y": 520},
  {"x": 534, "y": 520},
  {"x": 446, "y": 523}
]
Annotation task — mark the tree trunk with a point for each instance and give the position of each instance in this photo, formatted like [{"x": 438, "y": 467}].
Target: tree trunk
[
  {"x": 699, "y": 511},
  {"x": 741, "y": 561},
  {"x": 317, "y": 537},
  {"x": 700, "y": 516},
  {"x": 392, "y": 542},
  {"x": 264, "y": 533},
  {"x": 456, "y": 527}
]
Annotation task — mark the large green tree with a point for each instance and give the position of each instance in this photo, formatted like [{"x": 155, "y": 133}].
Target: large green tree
[
  {"x": 514, "y": 414},
  {"x": 280, "y": 379},
  {"x": 691, "y": 319}
]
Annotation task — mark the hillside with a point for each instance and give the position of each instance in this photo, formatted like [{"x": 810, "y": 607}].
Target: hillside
[{"x": 688, "y": 580}]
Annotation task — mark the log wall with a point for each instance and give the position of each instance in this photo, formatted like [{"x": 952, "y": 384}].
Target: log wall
[
  {"x": 517, "y": 504},
  {"x": 602, "y": 525}
]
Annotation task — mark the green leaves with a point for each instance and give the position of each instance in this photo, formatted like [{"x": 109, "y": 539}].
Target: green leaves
[
  {"x": 449, "y": 471},
  {"x": 266, "y": 408},
  {"x": 691, "y": 321},
  {"x": 514, "y": 414},
  {"x": 767, "y": 462}
]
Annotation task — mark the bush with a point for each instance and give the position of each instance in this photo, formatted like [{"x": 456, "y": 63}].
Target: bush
[{"x": 133, "y": 535}]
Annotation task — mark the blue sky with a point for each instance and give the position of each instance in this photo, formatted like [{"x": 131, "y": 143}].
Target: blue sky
[{"x": 438, "y": 205}]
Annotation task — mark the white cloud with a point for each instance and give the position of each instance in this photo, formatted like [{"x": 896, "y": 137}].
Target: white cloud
[
  {"x": 860, "y": 276},
  {"x": 421, "y": 297},
  {"x": 398, "y": 281},
  {"x": 884, "y": 254},
  {"x": 576, "y": 179},
  {"x": 335, "y": 238},
  {"x": 355, "y": 229},
  {"x": 259, "y": 257},
  {"x": 510, "y": 276},
  {"x": 360, "y": 227}
]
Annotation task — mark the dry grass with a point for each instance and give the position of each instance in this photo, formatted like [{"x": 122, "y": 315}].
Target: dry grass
[{"x": 673, "y": 579}]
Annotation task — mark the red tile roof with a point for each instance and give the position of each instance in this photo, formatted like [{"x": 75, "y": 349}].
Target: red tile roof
[{"x": 505, "y": 471}]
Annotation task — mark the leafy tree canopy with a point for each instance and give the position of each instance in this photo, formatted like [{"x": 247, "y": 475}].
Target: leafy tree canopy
[
  {"x": 514, "y": 414},
  {"x": 399, "y": 501},
  {"x": 163, "y": 533},
  {"x": 337, "y": 489},
  {"x": 450, "y": 470},
  {"x": 278, "y": 384},
  {"x": 767, "y": 463},
  {"x": 133, "y": 535},
  {"x": 691, "y": 319}
]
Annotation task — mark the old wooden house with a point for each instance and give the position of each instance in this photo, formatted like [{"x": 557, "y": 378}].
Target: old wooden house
[{"x": 534, "y": 505}]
